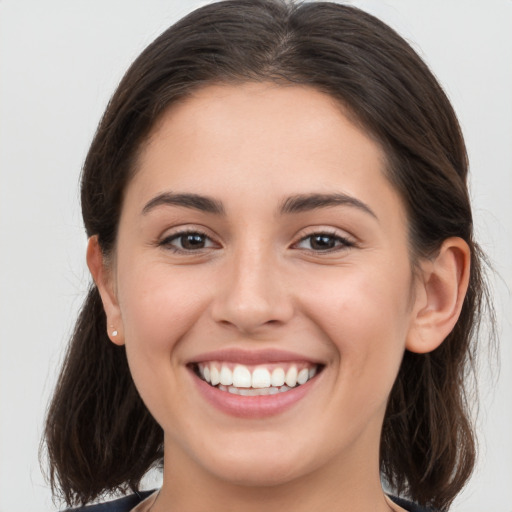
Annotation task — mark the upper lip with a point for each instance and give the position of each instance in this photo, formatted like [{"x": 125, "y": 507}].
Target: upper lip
[{"x": 252, "y": 357}]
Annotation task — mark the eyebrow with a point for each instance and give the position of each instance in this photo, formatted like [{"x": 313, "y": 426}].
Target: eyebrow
[
  {"x": 294, "y": 204},
  {"x": 308, "y": 202},
  {"x": 194, "y": 201}
]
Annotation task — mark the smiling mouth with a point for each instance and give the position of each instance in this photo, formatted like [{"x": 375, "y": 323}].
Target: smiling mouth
[{"x": 260, "y": 380}]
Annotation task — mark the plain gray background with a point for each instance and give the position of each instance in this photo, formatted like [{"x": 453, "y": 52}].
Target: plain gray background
[{"x": 60, "y": 60}]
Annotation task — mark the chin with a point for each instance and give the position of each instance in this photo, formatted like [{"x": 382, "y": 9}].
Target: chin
[
  {"x": 261, "y": 466},
  {"x": 260, "y": 474}
]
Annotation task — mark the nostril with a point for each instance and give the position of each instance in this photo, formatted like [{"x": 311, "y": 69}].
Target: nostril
[{"x": 249, "y": 304}]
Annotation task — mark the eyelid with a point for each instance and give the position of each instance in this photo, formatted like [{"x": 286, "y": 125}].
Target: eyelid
[
  {"x": 179, "y": 229},
  {"x": 348, "y": 241},
  {"x": 177, "y": 232}
]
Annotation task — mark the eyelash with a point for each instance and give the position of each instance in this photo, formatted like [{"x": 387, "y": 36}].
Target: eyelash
[
  {"x": 343, "y": 243},
  {"x": 167, "y": 242}
]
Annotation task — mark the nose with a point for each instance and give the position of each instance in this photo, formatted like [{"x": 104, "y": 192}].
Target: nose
[{"x": 253, "y": 294}]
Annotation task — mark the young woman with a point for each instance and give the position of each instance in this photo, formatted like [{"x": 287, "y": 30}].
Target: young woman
[{"x": 286, "y": 284}]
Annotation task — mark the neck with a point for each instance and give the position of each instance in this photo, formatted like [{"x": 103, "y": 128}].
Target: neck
[{"x": 335, "y": 486}]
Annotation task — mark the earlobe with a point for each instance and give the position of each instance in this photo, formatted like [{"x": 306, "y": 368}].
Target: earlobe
[
  {"x": 102, "y": 274},
  {"x": 444, "y": 282}
]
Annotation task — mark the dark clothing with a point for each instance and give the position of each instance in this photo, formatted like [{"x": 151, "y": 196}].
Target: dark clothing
[
  {"x": 411, "y": 507},
  {"x": 128, "y": 502},
  {"x": 120, "y": 505}
]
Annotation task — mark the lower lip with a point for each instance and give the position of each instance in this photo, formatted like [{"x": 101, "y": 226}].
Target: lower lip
[{"x": 252, "y": 406}]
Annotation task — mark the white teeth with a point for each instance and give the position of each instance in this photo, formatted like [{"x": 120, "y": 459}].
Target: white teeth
[
  {"x": 278, "y": 377},
  {"x": 303, "y": 376},
  {"x": 257, "y": 392},
  {"x": 261, "y": 381},
  {"x": 291, "y": 377},
  {"x": 226, "y": 377},
  {"x": 260, "y": 378},
  {"x": 242, "y": 377},
  {"x": 214, "y": 375}
]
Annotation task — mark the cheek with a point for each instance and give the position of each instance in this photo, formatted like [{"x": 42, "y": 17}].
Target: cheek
[
  {"x": 359, "y": 300},
  {"x": 365, "y": 315},
  {"x": 158, "y": 310}
]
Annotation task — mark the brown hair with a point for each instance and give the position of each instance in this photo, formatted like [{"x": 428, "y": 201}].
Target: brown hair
[{"x": 99, "y": 435}]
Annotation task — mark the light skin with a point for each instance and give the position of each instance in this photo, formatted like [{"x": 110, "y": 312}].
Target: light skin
[{"x": 268, "y": 270}]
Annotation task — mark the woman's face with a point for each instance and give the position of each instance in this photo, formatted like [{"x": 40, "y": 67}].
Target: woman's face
[{"x": 260, "y": 241}]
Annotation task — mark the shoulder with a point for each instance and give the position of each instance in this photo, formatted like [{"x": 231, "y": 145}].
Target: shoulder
[
  {"x": 124, "y": 504},
  {"x": 409, "y": 506}
]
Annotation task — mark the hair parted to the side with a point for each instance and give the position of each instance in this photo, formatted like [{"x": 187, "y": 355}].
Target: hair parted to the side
[{"x": 100, "y": 438}]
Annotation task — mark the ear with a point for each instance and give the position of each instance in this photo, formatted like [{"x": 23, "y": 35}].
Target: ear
[
  {"x": 440, "y": 293},
  {"x": 101, "y": 272}
]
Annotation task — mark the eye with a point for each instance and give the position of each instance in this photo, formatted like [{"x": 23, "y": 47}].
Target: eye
[
  {"x": 324, "y": 242},
  {"x": 188, "y": 241}
]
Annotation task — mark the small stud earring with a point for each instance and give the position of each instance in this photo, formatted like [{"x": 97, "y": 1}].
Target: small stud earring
[{"x": 114, "y": 333}]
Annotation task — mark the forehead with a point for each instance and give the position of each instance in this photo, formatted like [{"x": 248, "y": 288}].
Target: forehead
[
  {"x": 260, "y": 113},
  {"x": 260, "y": 139}
]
